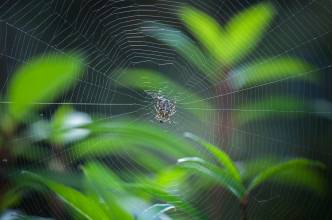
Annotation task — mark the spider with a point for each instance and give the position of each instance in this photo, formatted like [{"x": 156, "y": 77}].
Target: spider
[{"x": 165, "y": 108}]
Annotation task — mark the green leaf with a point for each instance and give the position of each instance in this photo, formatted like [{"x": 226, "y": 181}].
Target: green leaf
[
  {"x": 236, "y": 40},
  {"x": 67, "y": 125},
  {"x": 292, "y": 166},
  {"x": 273, "y": 106},
  {"x": 57, "y": 122},
  {"x": 310, "y": 179},
  {"x": 155, "y": 211},
  {"x": 122, "y": 145},
  {"x": 157, "y": 192},
  {"x": 148, "y": 80},
  {"x": 139, "y": 138},
  {"x": 41, "y": 80},
  {"x": 221, "y": 156},
  {"x": 102, "y": 183},
  {"x": 206, "y": 30},
  {"x": 245, "y": 30},
  {"x": 170, "y": 177},
  {"x": 218, "y": 175},
  {"x": 183, "y": 44},
  {"x": 86, "y": 207},
  {"x": 270, "y": 70},
  {"x": 110, "y": 182}
]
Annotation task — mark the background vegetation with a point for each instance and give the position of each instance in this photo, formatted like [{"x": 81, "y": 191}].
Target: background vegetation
[{"x": 76, "y": 164}]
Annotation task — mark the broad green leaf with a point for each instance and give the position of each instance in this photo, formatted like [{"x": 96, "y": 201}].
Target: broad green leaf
[
  {"x": 60, "y": 116},
  {"x": 58, "y": 119},
  {"x": 157, "y": 192},
  {"x": 67, "y": 125},
  {"x": 86, "y": 207},
  {"x": 270, "y": 70},
  {"x": 206, "y": 30},
  {"x": 311, "y": 179},
  {"x": 272, "y": 106},
  {"x": 221, "y": 156},
  {"x": 105, "y": 178},
  {"x": 240, "y": 35},
  {"x": 293, "y": 166},
  {"x": 218, "y": 175},
  {"x": 148, "y": 80},
  {"x": 170, "y": 177},
  {"x": 103, "y": 183},
  {"x": 41, "y": 80},
  {"x": 131, "y": 137},
  {"x": 183, "y": 44},
  {"x": 155, "y": 211},
  {"x": 245, "y": 30},
  {"x": 123, "y": 145},
  {"x": 307, "y": 178}
]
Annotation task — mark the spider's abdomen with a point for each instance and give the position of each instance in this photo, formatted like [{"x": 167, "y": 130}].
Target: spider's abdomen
[{"x": 164, "y": 109}]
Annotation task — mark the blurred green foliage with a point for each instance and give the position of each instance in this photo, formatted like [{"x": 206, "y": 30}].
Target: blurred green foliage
[
  {"x": 231, "y": 43},
  {"x": 41, "y": 79},
  {"x": 228, "y": 175},
  {"x": 98, "y": 191},
  {"x": 220, "y": 49}
]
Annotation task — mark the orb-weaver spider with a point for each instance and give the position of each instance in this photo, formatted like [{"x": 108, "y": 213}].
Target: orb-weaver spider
[{"x": 164, "y": 107}]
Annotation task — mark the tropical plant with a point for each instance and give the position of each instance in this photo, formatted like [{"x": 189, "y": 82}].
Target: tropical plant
[
  {"x": 40, "y": 154},
  {"x": 222, "y": 55},
  {"x": 301, "y": 172},
  {"x": 34, "y": 84},
  {"x": 31, "y": 90},
  {"x": 103, "y": 195}
]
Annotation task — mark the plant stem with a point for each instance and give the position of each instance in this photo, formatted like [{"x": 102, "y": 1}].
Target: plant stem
[{"x": 243, "y": 207}]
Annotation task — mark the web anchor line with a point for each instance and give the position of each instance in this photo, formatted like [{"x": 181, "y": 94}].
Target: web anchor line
[{"x": 79, "y": 103}]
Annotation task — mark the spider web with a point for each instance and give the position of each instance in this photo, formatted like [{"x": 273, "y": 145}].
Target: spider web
[{"x": 110, "y": 35}]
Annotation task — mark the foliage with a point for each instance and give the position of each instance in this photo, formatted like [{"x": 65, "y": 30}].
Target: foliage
[
  {"x": 70, "y": 139},
  {"x": 223, "y": 47},
  {"x": 55, "y": 73},
  {"x": 104, "y": 198},
  {"x": 301, "y": 172},
  {"x": 101, "y": 194}
]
